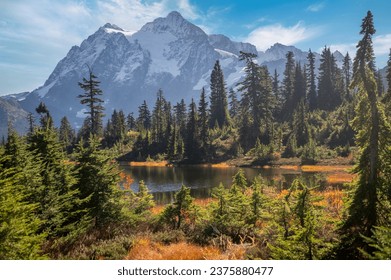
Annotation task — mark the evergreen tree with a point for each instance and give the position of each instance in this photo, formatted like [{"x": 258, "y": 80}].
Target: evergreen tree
[
  {"x": 192, "y": 140},
  {"x": 347, "y": 72},
  {"x": 387, "y": 97},
  {"x": 233, "y": 104},
  {"x": 257, "y": 103},
  {"x": 311, "y": 96},
  {"x": 181, "y": 117},
  {"x": 330, "y": 82},
  {"x": 45, "y": 117},
  {"x": 299, "y": 88},
  {"x": 288, "y": 84},
  {"x": 172, "y": 152},
  {"x": 115, "y": 129},
  {"x": 300, "y": 126},
  {"x": 218, "y": 98},
  {"x": 239, "y": 180},
  {"x": 379, "y": 82},
  {"x": 365, "y": 210},
  {"x": 19, "y": 224},
  {"x": 92, "y": 98},
  {"x": 130, "y": 122},
  {"x": 30, "y": 120},
  {"x": 57, "y": 197},
  {"x": 144, "y": 117},
  {"x": 144, "y": 199},
  {"x": 159, "y": 121},
  {"x": 203, "y": 120},
  {"x": 98, "y": 184},
  {"x": 67, "y": 135},
  {"x": 182, "y": 211}
]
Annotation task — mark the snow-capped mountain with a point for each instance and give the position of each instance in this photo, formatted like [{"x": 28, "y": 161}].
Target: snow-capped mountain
[{"x": 169, "y": 53}]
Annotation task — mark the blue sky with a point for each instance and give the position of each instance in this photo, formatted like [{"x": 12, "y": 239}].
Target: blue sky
[{"x": 36, "y": 34}]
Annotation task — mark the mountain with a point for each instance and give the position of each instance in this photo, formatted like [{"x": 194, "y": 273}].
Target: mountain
[
  {"x": 12, "y": 112},
  {"x": 169, "y": 53}
]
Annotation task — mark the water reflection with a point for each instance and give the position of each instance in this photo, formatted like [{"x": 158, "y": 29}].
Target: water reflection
[{"x": 163, "y": 182}]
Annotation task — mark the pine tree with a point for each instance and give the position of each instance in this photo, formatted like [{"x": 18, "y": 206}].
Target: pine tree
[
  {"x": 330, "y": 85},
  {"x": 366, "y": 211},
  {"x": 203, "y": 120},
  {"x": 182, "y": 211},
  {"x": 57, "y": 197},
  {"x": 19, "y": 224},
  {"x": 181, "y": 117},
  {"x": 67, "y": 135},
  {"x": 130, "y": 122},
  {"x": 379, "y": 82},
  {"x": 300, "y": 125},
  {"x": 21, "y": 236},
  {"x": 30, "y": 120},
  {"x": 239, "y": 180},
  {"x": 144, "y": 117},
  {"x": 288, "y": 83},
  {"x": 144, "y": 199},
  {"x": 218, "y": 98},
  {"x": 233, "y": 104},
  {"x": 347, "y": 72},
  {"x": 387, "y": 97},
  {"x": 311, "y": 96},
  {"x": 192, "y": 140},
  {"x": 92, "y": 98},
  {"x": 97, "y": 184},
  {"x": 257, "y": 103},
  {"x": 159, "y": 121}
]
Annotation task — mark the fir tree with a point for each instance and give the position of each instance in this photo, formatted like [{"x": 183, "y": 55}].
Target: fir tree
[
  {"x": 366, "y": 211},
  {"x": 144, "y": 199},
  {"x": 203, "y": 120},
  {"x": 233, "y": 104},
  {"x": 218, "y": 98},
  {"x": 182, "y": 211},
  {"x": 144, "y": 117},
  {"x": 311, "y": 96},
  {"x": 67, "y": 134},
  {"x": 330, "y": 82},
  {"x": 57, "y": 197},
  {"x": 192, "y": 140},
  {"x": 98, "y": 184},
  {"x": 19, "y": 224},
  {"x": 159, "y": 121},
  {"x": 387, "y": 97},
  {"x": 92, "y": 98},
  {"x": 181, "y": 117},
  {"x": 288, "y": 83},
  {"x": 130, "y": 122},
  {"x": 347, "y": 73}
]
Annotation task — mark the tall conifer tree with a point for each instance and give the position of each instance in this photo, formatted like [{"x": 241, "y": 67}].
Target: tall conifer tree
[{"x": 92, "y": 98}]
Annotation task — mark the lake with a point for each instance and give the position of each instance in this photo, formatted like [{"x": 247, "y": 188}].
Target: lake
[{"x": 164, "y": 181}]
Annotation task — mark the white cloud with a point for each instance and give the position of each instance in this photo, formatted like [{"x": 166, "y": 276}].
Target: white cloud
[
  {"x": 343, "y": 48},
  {"x": 382, "y": 44},
  {"x": 315, "y": 7},
  {"x": 265, "y": 36}
]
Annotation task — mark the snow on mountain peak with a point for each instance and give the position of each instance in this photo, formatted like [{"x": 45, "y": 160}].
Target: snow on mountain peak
[
  {"x": 175, "y": 24},
  {"x": 112, "y": 26}
]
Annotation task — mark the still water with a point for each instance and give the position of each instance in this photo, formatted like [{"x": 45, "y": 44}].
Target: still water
[{"x": 163, "y": 182}]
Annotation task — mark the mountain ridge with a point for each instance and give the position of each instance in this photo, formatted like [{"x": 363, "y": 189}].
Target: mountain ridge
[{"x": 169, "y": 53}]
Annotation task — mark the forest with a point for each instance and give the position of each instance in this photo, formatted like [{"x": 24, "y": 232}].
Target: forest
[{"x": 60, "y": 194}]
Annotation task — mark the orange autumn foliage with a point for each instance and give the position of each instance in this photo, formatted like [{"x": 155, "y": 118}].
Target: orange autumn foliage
[{"x": 145, "y": 249}]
